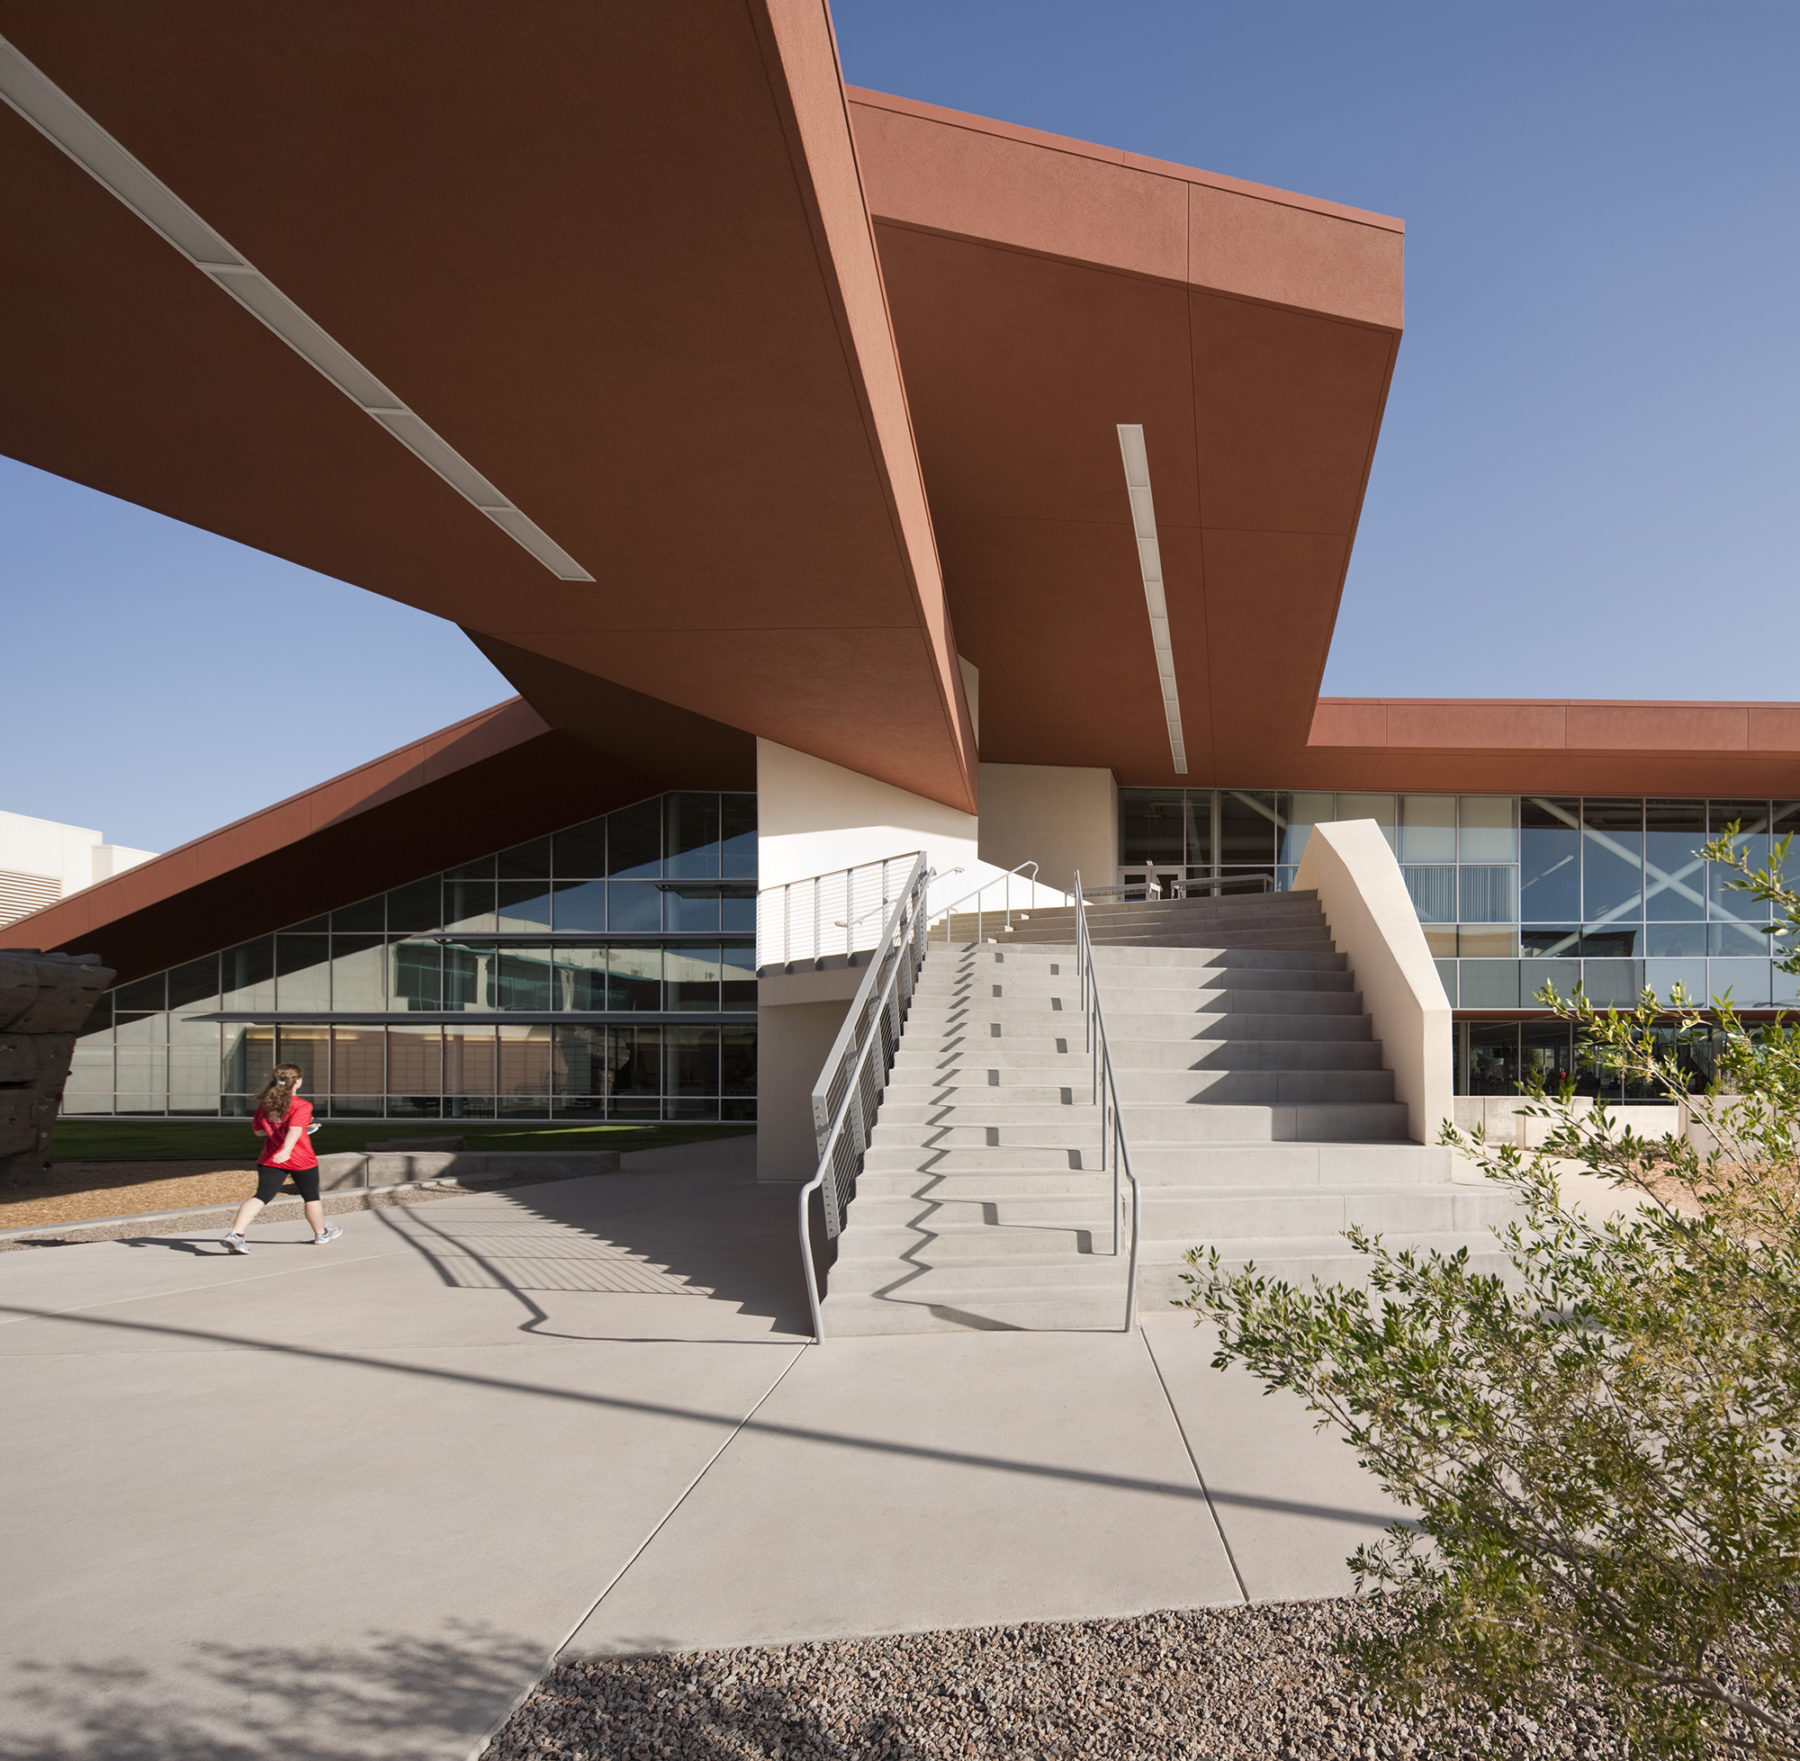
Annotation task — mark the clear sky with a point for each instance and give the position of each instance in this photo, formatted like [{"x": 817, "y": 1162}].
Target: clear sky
[{"x": 1588, "y": 482}]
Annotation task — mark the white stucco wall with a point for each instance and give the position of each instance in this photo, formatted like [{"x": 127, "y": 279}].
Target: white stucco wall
[
  {"x": 1063, "y": 817},
  {"x": 45, "y": 850}
]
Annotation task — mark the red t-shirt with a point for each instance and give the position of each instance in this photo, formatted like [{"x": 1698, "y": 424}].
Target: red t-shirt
[{"x": 299, "y": 1113}]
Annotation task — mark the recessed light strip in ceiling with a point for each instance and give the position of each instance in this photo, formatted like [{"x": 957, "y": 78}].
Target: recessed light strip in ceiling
[
  {"x": 55, "y": 115},
  {"x": 1143, "y": 522}
]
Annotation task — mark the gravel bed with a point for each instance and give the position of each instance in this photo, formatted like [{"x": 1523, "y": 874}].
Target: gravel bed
[{"x": 1231, "y": 1684}]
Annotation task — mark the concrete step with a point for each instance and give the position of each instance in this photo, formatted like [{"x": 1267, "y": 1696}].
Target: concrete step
[
  {"x": 1025, "y": 983},
  {"x": 1227, "y": 1214},
  {"x": 1148, "y": 1007},
  {"x": 1313, "y": 939},
  {"x": 1043, "y": 1081},
  {"x": 988, "y": 1254},
  {"x": 1133, "y": 965},
  {"x": 1148, "y": 1093},
  {"x": 1080, "y": 1311},
  {"x": 1297, "y": 1261}
]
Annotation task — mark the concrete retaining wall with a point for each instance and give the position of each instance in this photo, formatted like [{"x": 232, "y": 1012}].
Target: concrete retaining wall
[{"x": 363, "y": 1169}]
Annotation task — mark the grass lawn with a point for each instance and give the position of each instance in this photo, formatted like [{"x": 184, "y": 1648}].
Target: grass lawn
[{"x": 180, "y": 1140}]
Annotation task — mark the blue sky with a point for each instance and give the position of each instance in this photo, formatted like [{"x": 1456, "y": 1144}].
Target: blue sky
[{"x": 1589, "y": 476}]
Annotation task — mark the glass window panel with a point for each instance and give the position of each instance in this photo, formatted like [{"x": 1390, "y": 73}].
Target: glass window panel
[
  {"x": 469, "y": 906},
  {"x": 1151, "y": 826},
  {"x": 1247, "y": 827},
  {"x": 1662, "y": 976},
  {"x": 195, "y": 985},
  {"x": 579, "y": 906},
  {"x": 634, "y": 978},
  {"x": 358, "y": 975},
  {"x": 415, "y": 1067},
  {"x": 1488, "y": 894},
  {"x": 634, "y": 841},
  {"x": 737, "y": 831},
  {"x": 524, "y": 1067},
  {"x": 141, "y": 1063},
  {"x": 633, "y": 907},
  {"x": 1740, "y": 940},
  {"x": 367, "y": 918},
  {"x": 482, "y": 868},
  {"x": 1549, "y": 859},
  {"x": 418, "y": 975},
  {"x": 358, "y": 1061},
  {"x": 691, "y": 977},
  {"x": 744, "y": 1110},
  {"x": 737, "y": 1061},
  {"x": 100, "y": 1017},
  {"x": 1752, "y": 818},
  {"x": 1618, "y": 941},
  {"x": 143, "y": 994},
  {"x": 1786, "y": 818},
  {"x": 634, "y": 1056},
  {"x": 520, "y": 978},
  {"x": 1612, "y": 984},
  {"x": 466, "y": 976},
  {"x": 1446, "y": 971},
  {"x": 358, "y": 1106},
  {"x": 1488, "y": 984},
  {"x": 1489, "y": 828},
  {"x": 1675, "y": 940},
  {"x": 1441, "y": 940},
  {"x": 530, "y": 861},
  {"x": 580, "y": 979},
  {"x": 690, "y": 908},
  {"x": 1551, "y": 941},
  {"x": 1546, "y": 1049},
  {"x": 522, "y": 907},
  {"x": 1427, "y": 828},
  {"x": 246, "y": 1056},
  {"x": 1433, "y": 892},
  {"x": 1674, "y": 871},
  {"x": 690, "y": 1061},
  {"x": 1488, "y": 944},
  {"x": 469, "y": 1061},
  {"x": 247, "y": 977},
  {"x": 738, "y": 971},
  {"x": 416, "y": 907},
  {"x": 690, "y": 834},
  {"x": 1197, "y": 829},
  {"x": 303, "y": 972},
  {"x": 1784, "y": 988},
  {"x": 580, "y": 852},
  {"x": 1305, "y": 809},
  {"x": 737, "y": 912},
  {"x": 1379, "y": 808},
  {"x": 89, "y": 1088},
  {"x": 193, "y": 1066},
  {"x": 1747, "y": 980},
  {"x": 1561, "y": 975},
  {"x": 1612, "y": 859},
  {"x": 1493, "y": 1057},
  {"x": 310, "y": 1048},
  {"x": 578, "y": 1071},
  {"x": 313, "y": 926}
]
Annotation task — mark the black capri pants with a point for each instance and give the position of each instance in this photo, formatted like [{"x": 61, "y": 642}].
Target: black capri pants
[{"x": 269, "y": 1179}]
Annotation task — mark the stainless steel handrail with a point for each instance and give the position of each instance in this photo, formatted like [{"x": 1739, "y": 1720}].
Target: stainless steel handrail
[
  {"x": 976, "y": 893},
  {"x": 851, "y": 1084},
  {"x": 1113, "y": 1144}
]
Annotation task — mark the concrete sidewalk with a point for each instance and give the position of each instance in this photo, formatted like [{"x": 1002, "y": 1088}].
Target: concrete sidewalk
[{"x": 347, "y": 1502}]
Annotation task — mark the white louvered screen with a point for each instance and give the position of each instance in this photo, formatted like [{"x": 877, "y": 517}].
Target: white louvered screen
[{"x": 22, "y": 894}]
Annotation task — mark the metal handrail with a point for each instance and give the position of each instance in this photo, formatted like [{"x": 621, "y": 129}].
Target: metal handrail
[
  {"x": 851, "y": 1084},
  {"x": 1106, "y": 1097},
  {"x": 946, "y": 910}
]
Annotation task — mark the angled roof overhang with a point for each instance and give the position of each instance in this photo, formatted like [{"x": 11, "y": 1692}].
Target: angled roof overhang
[{"x": 615, "y": 259}]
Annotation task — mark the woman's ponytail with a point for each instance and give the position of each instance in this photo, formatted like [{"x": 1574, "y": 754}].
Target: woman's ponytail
[{"x": 278, "y": 1092}]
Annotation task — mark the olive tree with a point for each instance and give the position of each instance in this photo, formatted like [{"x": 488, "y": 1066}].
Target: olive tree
[{"x": 1600, "y": 1448}]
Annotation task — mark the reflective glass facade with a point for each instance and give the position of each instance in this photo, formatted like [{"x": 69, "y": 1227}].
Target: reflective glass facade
[
  {"x": 607, "y": 971},
  {"x": 1515, "y": 892}
]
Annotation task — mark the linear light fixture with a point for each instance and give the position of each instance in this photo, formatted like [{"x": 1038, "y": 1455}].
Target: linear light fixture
[
  {"x": 1143, "y": 523},
  {"x": 54, "y": 114}
]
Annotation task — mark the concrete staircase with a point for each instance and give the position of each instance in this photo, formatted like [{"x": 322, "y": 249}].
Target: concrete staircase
[{"x": 1259, "y": 1115}]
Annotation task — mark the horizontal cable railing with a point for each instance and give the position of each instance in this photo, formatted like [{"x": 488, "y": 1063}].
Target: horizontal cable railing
[
  {"x": 839, "y": 914},
  {"x": 849, "y": 1090},
  {"x": 1114, "y": 1150}
]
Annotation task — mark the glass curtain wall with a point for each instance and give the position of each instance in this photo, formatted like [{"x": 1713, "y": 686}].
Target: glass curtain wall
[
  {"x": 1515, "y": 892},
  {"x": 606, "y": 971}
]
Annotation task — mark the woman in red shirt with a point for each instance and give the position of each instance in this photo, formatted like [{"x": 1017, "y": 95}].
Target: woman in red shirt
[{"x": 281, "y": 1120}]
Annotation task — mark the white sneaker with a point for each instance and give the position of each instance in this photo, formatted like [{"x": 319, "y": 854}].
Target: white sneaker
[
  {"x": 331, "y": 1233},
  {"x": 236, "y": 1244}
]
